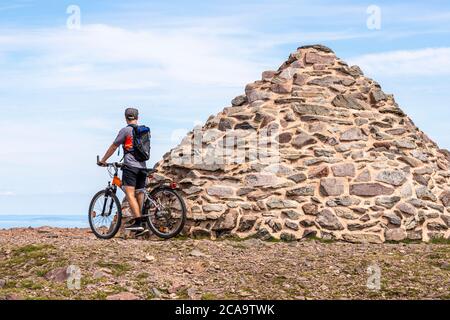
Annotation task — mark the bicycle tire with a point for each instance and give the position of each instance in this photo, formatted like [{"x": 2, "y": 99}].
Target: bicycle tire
[
  {"x": 119, "y": 214},
  {"x": 183, "y": 215}
]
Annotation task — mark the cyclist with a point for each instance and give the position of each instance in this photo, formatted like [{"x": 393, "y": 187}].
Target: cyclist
[{"x": 134, "y": 172}]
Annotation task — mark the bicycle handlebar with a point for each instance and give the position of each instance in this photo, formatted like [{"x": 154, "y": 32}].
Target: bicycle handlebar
[{"x": 112, "y": 164}]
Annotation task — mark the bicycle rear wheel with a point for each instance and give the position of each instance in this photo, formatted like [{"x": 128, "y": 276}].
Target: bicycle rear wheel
[
  {"x": 105, "y": 214},
  {"x": 165, "y": 211}
]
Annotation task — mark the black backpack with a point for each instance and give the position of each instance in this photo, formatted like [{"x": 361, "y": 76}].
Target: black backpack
[{"x": 141, "y": 142}]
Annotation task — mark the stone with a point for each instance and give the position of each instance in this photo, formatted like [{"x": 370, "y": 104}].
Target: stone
[
  {"x": 268, "y": 75},
  {"x": 315, "y": 58},
  {"x": 361, "y": 226},
  {"x": 364, "y": 176},
  {"x": 239, "y": 100},
  {"x": 214, "y": 208},
  {"x": 303, "y": 140},
  {"x": 421, "y": 179},
  {"x": 283, "y": 87},
  {"x": 57, "y": 275},
  {"x": 227, "y": 221},
  {"x": 392, "y": 177},
  {"x": 291, "y": 214},
  {"x": 393, "y": 218},
  {"x": 344, "y": 170},
  {"x": 256, "y": 94},
  {"x": 362, "y": 238},
  {"x": 318, "y": 172},
  {"x": 302, "y": 109},
  {"x": 353, "y": 134},
  {"x": 347, "y": 102},
  {"x": 397, "y": 234},
  {"x": 446, "y": 219},
  {"x": 327, "y": 220},
  {"x": 377, "y": 96},
  {"x": 405, "y": 144},
  {"x": 387, "y": 202},
  {"x": 260, "y": 180},
  {"x": 331, "y": 187},
  {"x": 291, "y": 225},
  {"x": 370, "y": 189},
  {"x": 424, "y": 194},
  {"x": 220, "y": 191},
  {"x": 285, "y": 137},
  {"x": 406, "y": 208},
  {"x": 436, "y": 226},
  {"x": 444, "y": 197},
  {"x": 246, "y": 223},
  {"x": 276, "y": 203},
  {"x": 200, "y": 233},
  {"x": 301, "y": 191},
  {"x": 310, "y": 209},
  {"x": 299, "y": 177},
  {"x": 287, "y": 236}
]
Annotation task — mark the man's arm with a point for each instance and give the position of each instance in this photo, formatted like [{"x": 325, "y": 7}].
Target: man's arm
[{"x": 109, "y": 153}]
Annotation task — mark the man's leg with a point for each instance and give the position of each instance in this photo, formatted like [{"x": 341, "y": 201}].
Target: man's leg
[
  {"x": 129, "y": 187},
  {"x": 135, "y": 206}
]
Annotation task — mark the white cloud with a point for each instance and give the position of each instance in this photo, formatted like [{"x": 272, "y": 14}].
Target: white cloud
[
  {"x": 6, "y": 194},
  {"x": 422, "y": 62}
]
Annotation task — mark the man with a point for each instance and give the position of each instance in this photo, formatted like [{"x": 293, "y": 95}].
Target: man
[{"x": 134, "y": 172}]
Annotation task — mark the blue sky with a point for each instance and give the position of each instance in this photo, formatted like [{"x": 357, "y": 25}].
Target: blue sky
[{"x": 63, "y": 91}]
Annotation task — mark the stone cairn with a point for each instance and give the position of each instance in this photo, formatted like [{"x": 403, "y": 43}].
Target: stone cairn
[{"x": 313, "y": 149}]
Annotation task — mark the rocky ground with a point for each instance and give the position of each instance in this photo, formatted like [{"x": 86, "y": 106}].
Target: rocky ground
[{"x": 33, "y": 265}]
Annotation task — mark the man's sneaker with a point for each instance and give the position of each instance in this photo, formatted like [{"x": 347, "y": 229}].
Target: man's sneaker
[{"x": 136, "y": 226}]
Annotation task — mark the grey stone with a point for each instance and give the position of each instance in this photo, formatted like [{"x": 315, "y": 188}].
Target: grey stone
[
  {"x": 303, "y": 140},
  {"x": 291, "y": 214},
  {"x": 276, "y": 203},
  {"x": 445, "y": 198},
  {"x": 311, "y": 109},
  {"x": 387, "y": 202},
  {"x": 393, "y": 218},
  {"x": 214, "y": 208},
  {"x": 299, "y": 177},
  {"x": 424, "y": 194},
  {"x": 239, "y": 100},
  {"x": 287, "y": 236},
  {"x": 392, "y": 177},
  {"x": 246, "y": 223},
  {"x": 291, "y": 225},
  {"x": 346, "y": 101},
  {"x": 220, "y": 191},
  {"x": 301, "y": 191},
  {"x": 353, "y": 134},
  {"x": 326, "y": 219},
  {"x": 406, "y": 208},
  {"x": 260, "y": 180}
]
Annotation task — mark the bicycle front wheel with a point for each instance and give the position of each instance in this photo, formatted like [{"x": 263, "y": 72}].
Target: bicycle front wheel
[
  {"x": 165, "y": 211},
  {"x": 105, "y": 214}
]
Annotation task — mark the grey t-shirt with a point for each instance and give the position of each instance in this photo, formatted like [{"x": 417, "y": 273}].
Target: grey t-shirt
[{"x": 125, "y": 138}]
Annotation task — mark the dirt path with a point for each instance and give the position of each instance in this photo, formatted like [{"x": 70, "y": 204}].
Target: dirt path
[{"x": 33, "y": 265}]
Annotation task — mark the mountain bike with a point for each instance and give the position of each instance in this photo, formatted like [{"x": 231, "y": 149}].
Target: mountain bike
[{"x": 164, "y": 210}]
